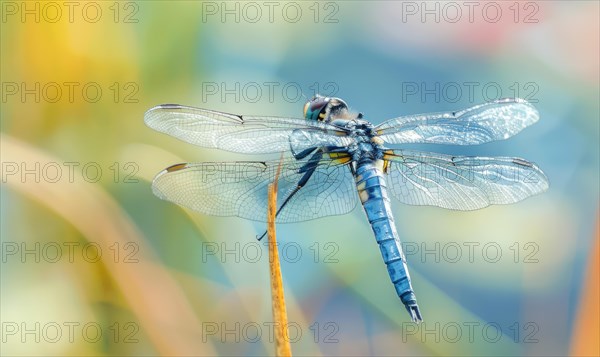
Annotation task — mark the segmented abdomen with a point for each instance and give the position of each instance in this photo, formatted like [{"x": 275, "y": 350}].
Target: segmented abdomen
[{"x": 373, "y": 195}]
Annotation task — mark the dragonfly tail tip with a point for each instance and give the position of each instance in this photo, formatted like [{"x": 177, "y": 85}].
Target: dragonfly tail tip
[{"x": 415, "y": 313}]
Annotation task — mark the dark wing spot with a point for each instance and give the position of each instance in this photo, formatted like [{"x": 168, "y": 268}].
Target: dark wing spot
[
  {"x": 170, "y": 106},
  {"x": 176, "y": 167},
  {"x": 522, "y": 162}
]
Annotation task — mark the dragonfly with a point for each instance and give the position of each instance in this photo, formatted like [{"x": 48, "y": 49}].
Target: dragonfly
[{"x": 333, "y": 158}]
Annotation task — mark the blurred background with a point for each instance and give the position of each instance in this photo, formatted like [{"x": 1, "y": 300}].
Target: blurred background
[{"x": 94, "y": 264}]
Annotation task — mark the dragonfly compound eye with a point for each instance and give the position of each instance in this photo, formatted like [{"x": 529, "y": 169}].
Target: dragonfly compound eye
[
  {"x": 319, "y": 107},
  {"x": 315, "y": 108}
]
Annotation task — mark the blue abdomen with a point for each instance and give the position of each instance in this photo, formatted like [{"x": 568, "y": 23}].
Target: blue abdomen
[{"x": 373, "y": 195}]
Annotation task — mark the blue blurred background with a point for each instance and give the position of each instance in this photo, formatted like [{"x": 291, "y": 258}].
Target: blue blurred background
[{"x": 94, "y": 264}]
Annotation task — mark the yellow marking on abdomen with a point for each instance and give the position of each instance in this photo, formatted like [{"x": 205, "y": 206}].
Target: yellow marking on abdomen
[
  {"x": 361, "y": 186},
  {"x": 363, "y": 195}
]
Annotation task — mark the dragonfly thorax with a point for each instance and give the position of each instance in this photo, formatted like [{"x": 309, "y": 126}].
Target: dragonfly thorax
[{"x": 367, "y": 151}]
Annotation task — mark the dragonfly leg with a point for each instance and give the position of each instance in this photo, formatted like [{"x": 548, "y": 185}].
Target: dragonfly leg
[
  {"x": 302, "y": 154},
  {"x": 308, "y": 169}
]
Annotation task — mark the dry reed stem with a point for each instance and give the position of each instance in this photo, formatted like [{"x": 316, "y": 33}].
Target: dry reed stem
[{"x": 282, "y": 341}]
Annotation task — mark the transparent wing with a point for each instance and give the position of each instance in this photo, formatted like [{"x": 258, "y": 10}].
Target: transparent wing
[
  {"x": 243, "y": 134},
  {"x": 461, "y": 182},
  {"x": 240, "y": 189},
  {"x": 480, "y": 124}
]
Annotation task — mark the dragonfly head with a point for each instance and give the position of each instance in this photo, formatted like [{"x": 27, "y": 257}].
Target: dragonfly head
[{"x": 321, "y": 108}]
